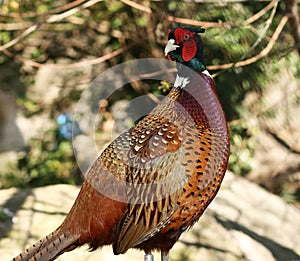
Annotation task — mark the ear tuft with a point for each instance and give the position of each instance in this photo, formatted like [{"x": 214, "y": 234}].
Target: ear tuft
[{"x": 200, "y": 30}]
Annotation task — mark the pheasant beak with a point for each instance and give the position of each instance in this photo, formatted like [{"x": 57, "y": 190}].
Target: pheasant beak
[{"x": 170, "y": 46}]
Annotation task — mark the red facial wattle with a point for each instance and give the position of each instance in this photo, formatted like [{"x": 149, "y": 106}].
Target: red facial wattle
[
  {"x": 189, "y": 50},
  {"x": 189, "y": 47}
]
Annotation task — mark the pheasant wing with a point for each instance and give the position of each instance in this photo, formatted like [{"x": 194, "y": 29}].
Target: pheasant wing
[{"x": 156, "y": 175}]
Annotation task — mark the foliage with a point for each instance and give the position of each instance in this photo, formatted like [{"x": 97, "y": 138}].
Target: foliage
[
  {"x": 48, "y": 160},
  {"x": 242, "y": 143}
]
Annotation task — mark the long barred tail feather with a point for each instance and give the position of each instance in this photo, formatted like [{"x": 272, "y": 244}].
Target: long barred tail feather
[{"x": 49, "y": 247}]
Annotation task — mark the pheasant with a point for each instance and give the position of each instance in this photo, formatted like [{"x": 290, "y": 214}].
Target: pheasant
[{"x": 155, "y": 180}]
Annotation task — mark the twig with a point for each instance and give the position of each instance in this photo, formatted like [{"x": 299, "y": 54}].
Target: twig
[
  {"x": 223, "y": 24},
  {"x": 264, "y": 32},
  {"x": 255, "y": 31},
  {"x": 19, "y": 37},
  {"x": 281, "y": 140},
  {"x": 260, "y": 13},
  {"x": 14, "y": 26},
  {"x": 53, "y": 11},
  {"x": 52, "y": 19},
  {"x": 199, "y": 23},
  {"x": 137, "y": 6},
  {"x": 63, "y": 8},
  {"x": 82, "y": 63},
  {"x": 257, "y": 57},
  {"x": 217, "y": 1},
  {"x": 156, "y": 73},
  {"x": 61, "y": 16}
]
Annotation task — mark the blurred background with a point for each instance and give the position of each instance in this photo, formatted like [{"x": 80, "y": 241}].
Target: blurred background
[{"x": 50, "y": 51}]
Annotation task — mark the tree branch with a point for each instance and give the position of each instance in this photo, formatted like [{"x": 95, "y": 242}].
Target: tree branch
[
  {"x": 265, "y": 29},
  {"x": 217, "y": 1},
  {"x": 259, "y": 14},
  {"x": 137, "y": 6},
  {"x": 257, "y": 57},
  {"x": 53, "y": 11},
  {"x": 82, "y": 63},
  {"x": 206, "y": 24},
  {"x": 52, "y": 19},
  {"x": 201, "y": 23}
]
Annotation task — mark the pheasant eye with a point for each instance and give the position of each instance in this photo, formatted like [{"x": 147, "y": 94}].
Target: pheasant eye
[{"x": 186, "y": 37}]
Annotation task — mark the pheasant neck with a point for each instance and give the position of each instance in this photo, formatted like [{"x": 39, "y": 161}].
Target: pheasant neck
[
  {"x": 199, "y": 98},
  {"x": 187, "y": 71},
  {"x": 195, "y": 64}
]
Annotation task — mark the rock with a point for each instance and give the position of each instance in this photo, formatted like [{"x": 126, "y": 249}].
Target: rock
[
  {"x": 58, "y": 82},
  {"x": 52, "y": 84},
  {"x": 277, "y": 138},
  {"x": 244, "y": 222},
  {"x": 10, "y": 136}
]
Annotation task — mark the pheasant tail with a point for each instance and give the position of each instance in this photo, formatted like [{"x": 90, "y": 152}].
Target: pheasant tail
[{"x": 49, "y": 247}]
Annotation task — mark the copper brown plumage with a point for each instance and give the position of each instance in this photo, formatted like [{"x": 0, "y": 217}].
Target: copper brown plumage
[{"x": 155, "y": 180}]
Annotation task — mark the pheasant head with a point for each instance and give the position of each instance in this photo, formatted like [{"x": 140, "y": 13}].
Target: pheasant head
[{"x": 185, "y": 47}]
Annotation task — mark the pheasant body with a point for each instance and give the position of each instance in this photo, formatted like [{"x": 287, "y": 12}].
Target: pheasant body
[
  {"x": 203, "y": 169},
  {"x": 155, "y": 180}
]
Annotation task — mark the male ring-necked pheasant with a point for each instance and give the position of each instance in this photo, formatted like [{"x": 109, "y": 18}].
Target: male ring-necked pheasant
[{"x": 155, "y": 180}]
